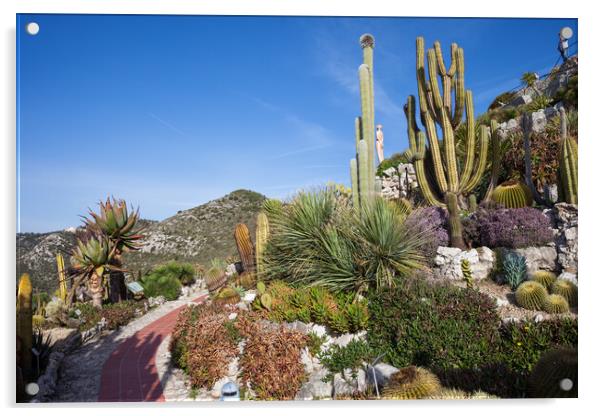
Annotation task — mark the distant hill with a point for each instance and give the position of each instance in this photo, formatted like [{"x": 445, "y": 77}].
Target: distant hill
[{"x": 194, "y": 235}]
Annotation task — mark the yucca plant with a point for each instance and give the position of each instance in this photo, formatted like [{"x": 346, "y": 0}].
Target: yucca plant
[
  {"x": 119, "y": 226},
  {"x": 386, "y": 249},
  {"x": 318, "y": 240},
  {"x": 92, "y": 257}
]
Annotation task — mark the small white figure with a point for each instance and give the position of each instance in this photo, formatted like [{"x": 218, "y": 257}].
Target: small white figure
[{"x": 380, "y": 143}]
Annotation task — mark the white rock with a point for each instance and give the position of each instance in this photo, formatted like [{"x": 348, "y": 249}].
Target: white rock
[
  {"x": 501, "y": 302},
  {"x": 539, "y": 258},
  {"x": 319, "y": 330},
  {"x": 306, "y": 360},
  {"x": 448, "y": 262},
  {"x": 538, "y": 318},
  {"x": 381, "y": 373},
  {"x": 249, "y": 296},
  {"x": 230, "y": 269},
  {"x": 232, "y": 316},
  {"x": 314, "y": 388},
  {"x": 345, "y": 339},
  {"x": 571, "y": 277},
  {"x": 346, "y": 384}
]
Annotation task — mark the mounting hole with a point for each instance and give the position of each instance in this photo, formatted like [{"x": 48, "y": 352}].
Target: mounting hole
[
  {"x": 32, "y": 28},
  {"x": 32, "y": 389},
  {"x": 566, "y": 384}
]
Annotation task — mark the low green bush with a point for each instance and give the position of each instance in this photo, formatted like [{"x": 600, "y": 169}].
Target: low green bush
[
  {"x": 457, "y": 334},
  {"x": 433, "y": 325},
  {"x": 336, "y": 359},
  {"x": 184, "y": 272},
  {"x": 392, "y": 161},
  {"x": 160, "y": 284}
]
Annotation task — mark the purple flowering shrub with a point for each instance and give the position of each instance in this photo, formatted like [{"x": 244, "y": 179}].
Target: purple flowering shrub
[
  {"x": 512, "y": 228},
  {"x": 432, "y": 223}
]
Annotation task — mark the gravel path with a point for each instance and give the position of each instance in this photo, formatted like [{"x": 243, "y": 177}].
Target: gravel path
[{"x": 81, "y": 372}]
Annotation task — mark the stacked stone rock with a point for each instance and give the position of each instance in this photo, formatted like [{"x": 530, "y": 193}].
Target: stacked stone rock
[
  {"x": 566, "y": 230},
  {"x": 399, "y": 182}
]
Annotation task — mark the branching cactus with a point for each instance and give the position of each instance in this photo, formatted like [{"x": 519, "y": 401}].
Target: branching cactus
[
  {"x": 245, "y": 247},
  {"x": 444, "y": 180},
  {"x": 24, "y": 321},
  {"x": 363, "y": 172},
  {"x": 568, "y": 163}
]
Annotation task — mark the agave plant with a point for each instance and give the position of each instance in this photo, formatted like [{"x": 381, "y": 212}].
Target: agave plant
[
  {"x": 119, "y": 226},
  {"x": 90, "y": 260}
]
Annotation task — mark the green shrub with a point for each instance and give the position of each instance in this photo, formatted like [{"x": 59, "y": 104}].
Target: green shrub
[
  {"x": 538, "y": 103},
  {"x": 336, "y": 358},
  {"x": 184, "y": 272},
  {"x": 504, "y": 98},
  {"x": 88, "y": 315},
  {"x": 392, "y": 162},
  {"x": 439, "y": 326},
  {"x": 159, "y": 284}
]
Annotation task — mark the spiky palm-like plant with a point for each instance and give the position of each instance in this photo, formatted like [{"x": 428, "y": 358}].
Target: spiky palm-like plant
[
  {"x": 119, "y": 226},
  {"x": 90, "y": 259}
]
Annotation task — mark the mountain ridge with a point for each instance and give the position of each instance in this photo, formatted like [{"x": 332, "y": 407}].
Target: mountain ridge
[{"x": 194, "y": 235}]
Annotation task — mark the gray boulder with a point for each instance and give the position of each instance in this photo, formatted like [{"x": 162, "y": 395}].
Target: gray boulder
[
  {"x": 380, "y": 374},
  {"x": 448, "y": 262},
  {"x": 347, "y": 384}
]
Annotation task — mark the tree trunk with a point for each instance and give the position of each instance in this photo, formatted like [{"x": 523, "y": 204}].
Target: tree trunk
[
  {"x": 96, "y": 290},
  {"x": 117, "y": 288},
  {"x": 454, "y": 222}
]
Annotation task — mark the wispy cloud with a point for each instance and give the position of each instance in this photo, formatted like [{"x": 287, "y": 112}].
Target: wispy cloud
[
  {"x": 169, "y": 125},
  {"x": 344, "y": 71},
  {"x": 315, "y": 135}
]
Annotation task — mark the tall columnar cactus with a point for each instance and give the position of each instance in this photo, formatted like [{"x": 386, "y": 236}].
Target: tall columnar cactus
[
  {"x": 245, "y": 247},
  {"x": 60, "y": 264},
  {"x": 449, "y": 180},
  {"x": 568, "y": 163},
  {"x": 362, "y": 167},
  {"x": 24, "y": 321},
  {"x": 262, "y": 232}
]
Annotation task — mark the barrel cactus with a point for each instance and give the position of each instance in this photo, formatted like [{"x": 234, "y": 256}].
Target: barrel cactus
[
  {"x": 555, "y": 304},
  {"x": 449, "y": 394},
  {"x": 531, "y": 295},
  {"x": 566, "y": 289},
  {"x": 227, "y": 295},
  {"x": 412, "y": 383},
  {"x": 215, "y": 278},
  {"x": 513, "y": 194},
  {"x": 544, "y": 277},
  {"x": 555, "y": 375}
]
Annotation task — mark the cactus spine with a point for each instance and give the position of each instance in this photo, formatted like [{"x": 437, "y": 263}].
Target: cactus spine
[
  {"x": 60, "y": 263},
  {"x": 448, "y": 184},
  {"x": 363, "y": 172},
  {"x": 262, "y": 232},
  {"x": 568, "y": 163},
  {"x": 24, "y": 321},
  {"x": 245, "y": 247}
]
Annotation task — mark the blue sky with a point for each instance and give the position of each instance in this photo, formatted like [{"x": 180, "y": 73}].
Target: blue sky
[{"x": 170, "y": 112}]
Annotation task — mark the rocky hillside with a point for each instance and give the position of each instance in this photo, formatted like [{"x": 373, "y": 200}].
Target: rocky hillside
[{"x": 195, "y": 235}]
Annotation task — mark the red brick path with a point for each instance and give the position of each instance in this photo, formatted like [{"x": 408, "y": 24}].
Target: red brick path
[{"x": 130, "y": 374}]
